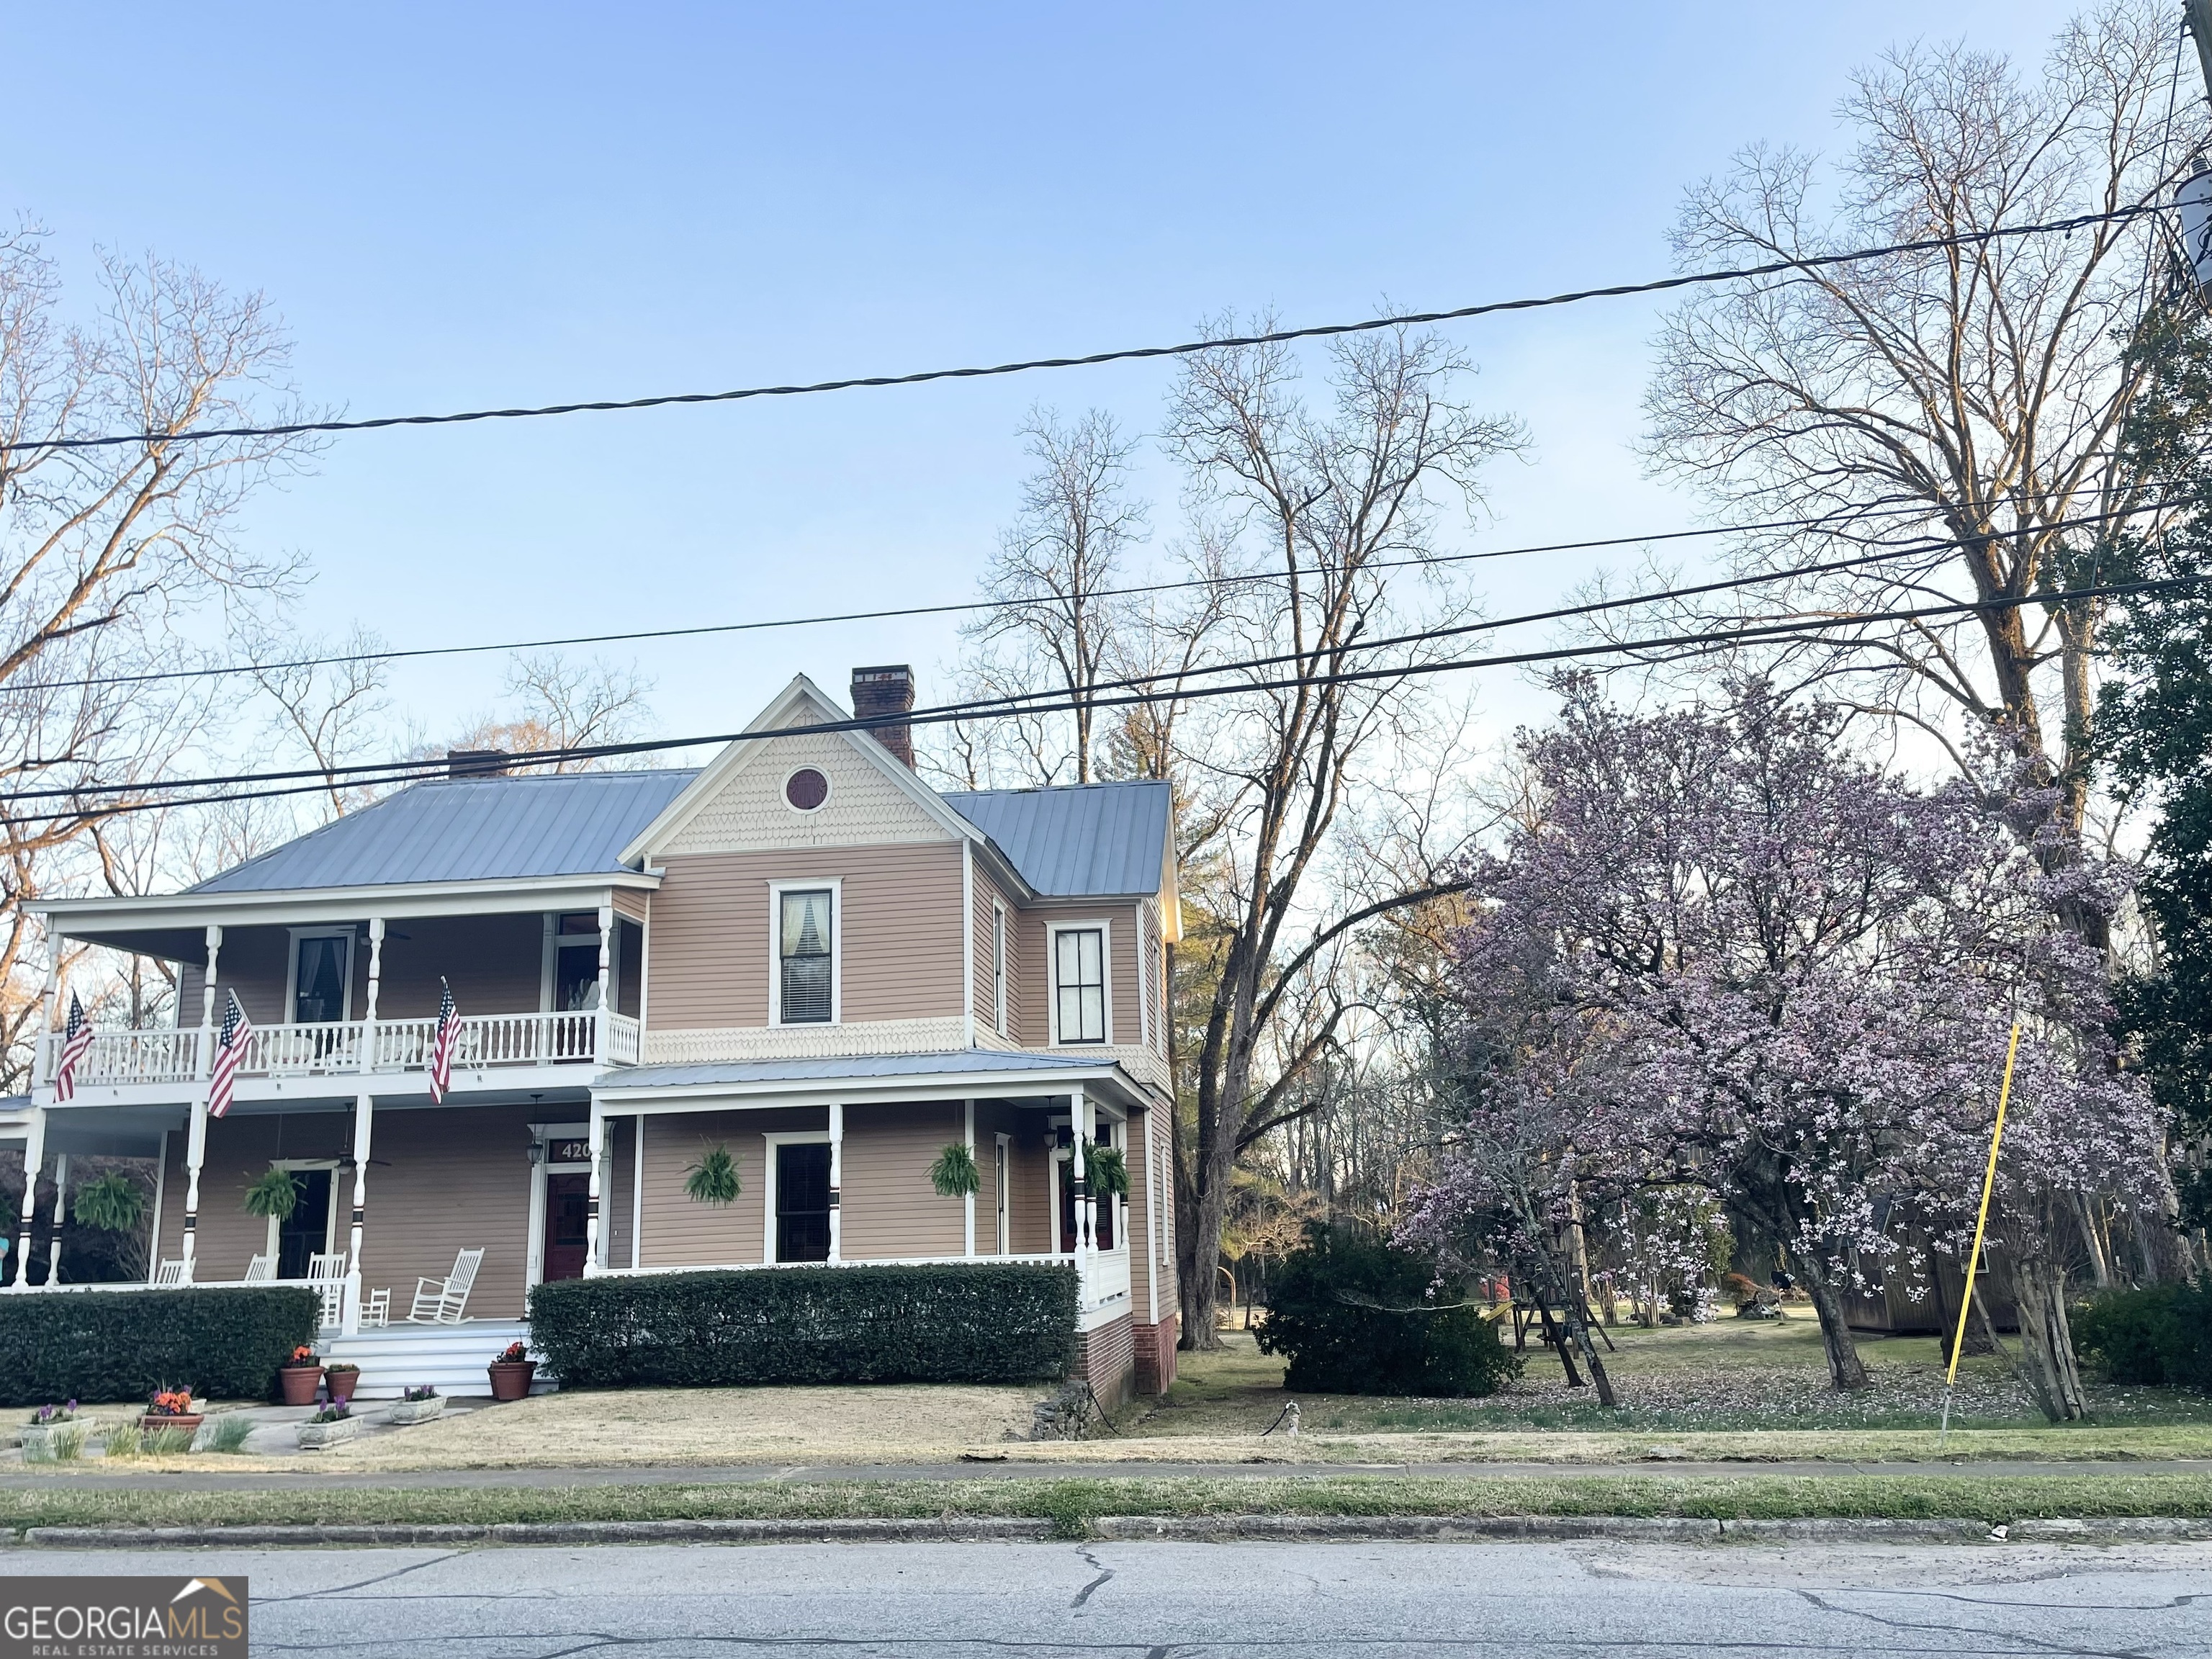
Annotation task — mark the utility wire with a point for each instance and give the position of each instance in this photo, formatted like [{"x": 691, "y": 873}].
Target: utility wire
[
  {"x": 1001, "y": 704},
  {"x": 1685, "y": 645},
  {"x": 1842, "y": 516},
  {"x": 1272, "y": 337}
]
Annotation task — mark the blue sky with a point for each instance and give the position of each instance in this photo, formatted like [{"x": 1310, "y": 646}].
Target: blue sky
[{"x": 457, "y": 207}]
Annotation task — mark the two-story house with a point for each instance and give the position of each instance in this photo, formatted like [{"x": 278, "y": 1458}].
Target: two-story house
[{"x": 801, "y": 954}]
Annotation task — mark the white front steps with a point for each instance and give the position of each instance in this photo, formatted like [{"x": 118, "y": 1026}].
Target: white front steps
[{"x": 451, "y": 1358}]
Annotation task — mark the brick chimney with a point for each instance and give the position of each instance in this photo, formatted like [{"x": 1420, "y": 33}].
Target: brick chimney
[
  {"x": 881, "y": 692},
  {"x": 476, "y": 762}
]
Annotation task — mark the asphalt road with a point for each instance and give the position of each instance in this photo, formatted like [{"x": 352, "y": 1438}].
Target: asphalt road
[{"x": 1152, "y": 1601}]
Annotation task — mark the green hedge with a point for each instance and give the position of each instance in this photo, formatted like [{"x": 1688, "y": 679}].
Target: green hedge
[
  {"x": 987, "y": 1323},
  {"x": 124, "y": 1344},
  {"x": 2160, "y": 1336},
  {"x": 1356, "y": 1317}
]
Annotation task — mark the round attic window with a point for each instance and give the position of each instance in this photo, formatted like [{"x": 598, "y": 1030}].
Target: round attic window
[{"x": 805, "y": 789}]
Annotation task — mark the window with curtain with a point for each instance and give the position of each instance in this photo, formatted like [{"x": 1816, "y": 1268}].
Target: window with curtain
[
  {"x": 318, "y": 985},
  {"x": 1079, "y": 983},
  {"x": 804, "y": 960}
]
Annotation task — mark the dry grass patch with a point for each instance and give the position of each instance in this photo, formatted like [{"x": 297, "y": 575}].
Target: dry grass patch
[{"x": 616, "y": 1427}]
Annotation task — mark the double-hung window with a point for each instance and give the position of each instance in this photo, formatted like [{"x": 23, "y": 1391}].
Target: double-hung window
[
  {"x": 1078, "y": 984},
  {"x": 807, "y": 963}
]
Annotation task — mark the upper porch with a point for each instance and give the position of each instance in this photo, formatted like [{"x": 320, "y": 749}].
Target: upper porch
[{"x": 339, "y": 989}]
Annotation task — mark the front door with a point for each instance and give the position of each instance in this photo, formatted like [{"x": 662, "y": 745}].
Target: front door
[
  {"x": 802, "y": 1201},
  {"x": 566, "y": 1199},
  {"x": 307, "y": 1232}
]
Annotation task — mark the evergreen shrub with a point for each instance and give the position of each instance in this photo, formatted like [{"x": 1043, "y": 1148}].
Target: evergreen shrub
[
  {"x": 125, "y": 1344},
  {"x": 1357, "y": 1316},
  {"x": 984, "y": 1322},
  {"x": 2160, "y": 1336}
]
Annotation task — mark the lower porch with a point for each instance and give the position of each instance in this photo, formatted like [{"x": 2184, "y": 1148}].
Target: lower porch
[{"x": 395, "y": 1197}]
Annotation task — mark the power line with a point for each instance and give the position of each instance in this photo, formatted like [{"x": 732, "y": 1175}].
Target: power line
[
  {"x": 1684, "y": 645},
  {"x": 1273, "y": 337},
  {"x": 1841, "y": 516},
  {"x": 1009, "y": 703}
]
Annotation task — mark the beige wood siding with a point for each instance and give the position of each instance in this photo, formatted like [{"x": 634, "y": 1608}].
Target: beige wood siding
[
  {"x": 1033, "y": 1224},
  {"x": 440, "y": 1181},
  {"x": 899, "y": 932},
  {"x": 615, "y": 1206},
  {"x": 496, "y": 965},
  {"x": 1150, "y": 1158},
  {"x": 888, "y": 1208},
  {"x": 1036, "y": 959},
  {"x": 680, "y": 1233},
  {"x": 632, "y": 904},
  {"x": 1031, "y": 1024}
]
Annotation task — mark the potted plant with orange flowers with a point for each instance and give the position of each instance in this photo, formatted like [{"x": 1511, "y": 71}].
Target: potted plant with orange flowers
[
  {"x": 170, "y": 1408},
  {"x": 301, "y": 1375},
  {"x": 511, "y": 1373}
]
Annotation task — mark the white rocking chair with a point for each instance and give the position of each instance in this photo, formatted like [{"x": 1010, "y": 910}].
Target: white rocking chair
[
  {"x": 261, "y": 1270},
  {"x": 441, "y": 1301},
  {"x": 168, "y": 1272},
  {"x": 327, "y": 1275}
]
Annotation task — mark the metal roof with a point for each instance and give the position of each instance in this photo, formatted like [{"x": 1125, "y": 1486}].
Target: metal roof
[
  {"x": 846, "y": 1068},
  {"x": 1083, "y": 841},
  {"x": 1086, "y": 841},
  {"x": 468, "y": 830}
]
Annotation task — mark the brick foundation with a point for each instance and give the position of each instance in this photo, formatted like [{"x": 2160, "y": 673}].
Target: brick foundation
[
  {"x": 1156, "y": 1353},
  {"x": 1106, "y": 1358}
]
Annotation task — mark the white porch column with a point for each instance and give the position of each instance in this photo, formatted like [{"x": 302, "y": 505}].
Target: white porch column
[
  {"x": 836, "y": 1180},
  {"x": 968, "y": 1203},
  {"x": 207, "y": 1003},
  {"x": 597, "y": 1141},
  {"x": 34, "y": 1154},
  {"x": 600, "y": 1027},
  {"x": 39, "y": 1056},
  {"x": 368, "y": 1008},
  {"x": 1079, "y": 1175},
  {"x": 364, "y": 1112},
  {"x": 61, "y": 1210}
]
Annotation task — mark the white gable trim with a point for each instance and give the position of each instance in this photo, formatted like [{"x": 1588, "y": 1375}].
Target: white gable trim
[{"x": 739, "y": 752}]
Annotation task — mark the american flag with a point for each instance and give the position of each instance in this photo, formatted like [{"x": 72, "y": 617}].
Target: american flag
[
  {"x": 76, "y": 1039},
  {"x": 229, "y": 1053},
  {"x": 443, "y": 1043}
]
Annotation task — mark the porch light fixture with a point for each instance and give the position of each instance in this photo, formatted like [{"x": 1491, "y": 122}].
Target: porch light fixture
[{"x": 537, "y": 1152}]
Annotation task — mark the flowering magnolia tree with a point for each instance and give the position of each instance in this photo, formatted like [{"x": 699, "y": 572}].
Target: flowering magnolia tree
[{"x": 1734, "y": 959}]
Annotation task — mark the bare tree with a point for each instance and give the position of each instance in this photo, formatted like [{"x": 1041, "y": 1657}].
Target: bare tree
[
  {"x": 330, "y": 701},
  {"x": 1318, "y": 501},
  {"x": 108, "y": 553},
  {"x": 1970, "y": 395},
  {"x": 1052, "y": 627},
  {"x": 562, "y": 706}
]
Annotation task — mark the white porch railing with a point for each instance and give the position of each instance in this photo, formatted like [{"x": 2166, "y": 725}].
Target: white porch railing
[{"x": 342, "y": 1046}]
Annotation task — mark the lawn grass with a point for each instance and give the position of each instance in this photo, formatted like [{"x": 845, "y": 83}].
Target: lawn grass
[
  {"x": 1727, "y": 1377},
  {"x": 1068, "y": 1504}
]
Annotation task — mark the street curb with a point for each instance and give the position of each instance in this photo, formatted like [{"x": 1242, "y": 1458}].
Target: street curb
[{"x": 1191, "y": 1528}]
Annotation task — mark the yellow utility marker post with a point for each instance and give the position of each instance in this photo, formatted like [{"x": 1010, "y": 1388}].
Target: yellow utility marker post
[{"x": 1981, "y": 1223}]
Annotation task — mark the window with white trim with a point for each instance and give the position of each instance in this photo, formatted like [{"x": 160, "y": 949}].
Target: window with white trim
[
  {"x": 806, "y": 955},
  {"x": 1078, "y": 981},
  {"x": 999, "y": 968}
]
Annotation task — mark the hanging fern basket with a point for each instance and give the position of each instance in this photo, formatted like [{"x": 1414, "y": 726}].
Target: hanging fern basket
[
  {"x": 276, "y": 1194},
  {"x": 954, "y": 1173},
  {"x": 713, "y": 1178},
  {"x": 1108, "y": 1171}
]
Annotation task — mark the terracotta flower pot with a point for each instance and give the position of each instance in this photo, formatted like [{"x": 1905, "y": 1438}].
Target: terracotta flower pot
[
  {"x": 511, "y": 1380},
  {"x": 342, "y": 1383},
  {"x": 155, "y": 1422},
  {"x": 300, "y": 1382}
]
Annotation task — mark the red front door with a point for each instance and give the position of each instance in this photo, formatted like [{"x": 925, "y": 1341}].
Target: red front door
[{"x": 566, "y": 1196}]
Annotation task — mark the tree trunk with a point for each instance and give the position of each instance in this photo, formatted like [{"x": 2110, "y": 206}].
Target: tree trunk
[
  {"x": 1846, "y": 1369},
  {"x": 2047, "y": 1339}
]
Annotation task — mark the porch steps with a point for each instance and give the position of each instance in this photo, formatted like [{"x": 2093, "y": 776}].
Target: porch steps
[{"x": 450, "y": 1358}]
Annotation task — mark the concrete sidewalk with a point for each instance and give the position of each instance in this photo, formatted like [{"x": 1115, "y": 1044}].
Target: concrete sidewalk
[{"x": 18, "y": 1479}]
